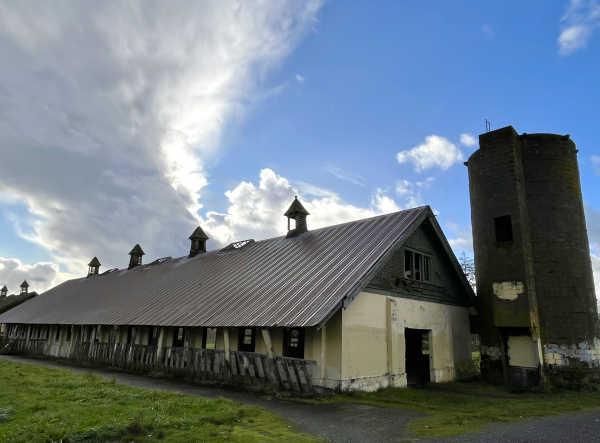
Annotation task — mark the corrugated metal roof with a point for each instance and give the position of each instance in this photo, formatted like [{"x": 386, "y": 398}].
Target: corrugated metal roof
[
  {"x": 276, "y": 282},
  {"x": 11, "y": 301}
]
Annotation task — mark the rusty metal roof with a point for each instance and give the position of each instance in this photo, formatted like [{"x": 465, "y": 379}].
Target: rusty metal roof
[{"x": 281, "y": 281}]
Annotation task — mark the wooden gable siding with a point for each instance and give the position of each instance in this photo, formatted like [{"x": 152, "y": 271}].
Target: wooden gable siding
[{"x": 445, "y": 285}]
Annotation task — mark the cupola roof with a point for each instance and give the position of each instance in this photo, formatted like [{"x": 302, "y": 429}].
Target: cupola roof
[
  {"x": 137, "y": 250},
  {"x": 296, "y": 208}
]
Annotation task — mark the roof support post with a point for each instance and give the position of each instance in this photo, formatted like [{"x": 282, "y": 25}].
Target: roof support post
[
  {"x": 60, "y": 336},
  {"x": 92, "y": 340},
  {"x": 112, "y": 344},
  {"x": 28, "y": 335},
  {"x": 392, "y": 337},
  {"x": 268, "y": 342},
  {"x": 226, "y": 340},
  {"x": 159, "y": 344},
  {"x": 74, "y": 338},
  {"x": 323, "y": 352},
  {"x": 131, "y": 345}
]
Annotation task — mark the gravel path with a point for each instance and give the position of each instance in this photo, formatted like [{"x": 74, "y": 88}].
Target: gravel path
[{"x": 356, "y": 423}]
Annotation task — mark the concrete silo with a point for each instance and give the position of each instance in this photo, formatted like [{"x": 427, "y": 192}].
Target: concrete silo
[{"x": 536, "y": 301}]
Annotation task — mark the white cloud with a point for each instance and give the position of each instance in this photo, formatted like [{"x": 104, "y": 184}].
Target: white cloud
[
  {"x": 467, "y": 140},
  {"x": 257, "y": 211},
  {"x": 488, "y": 31},
  {"x": 40, "y": 276},
  {"x": 596, "y": 164},
  {"x": 596, "y": 270},
  {"x": 345, "y": 175},
  {"x": 463, "y": 239},
  {"x": 578, "y": 24},
  {"x": 109, "y": 112},
  {"x": 299, "y": 78},
  {"x": 435, "y": 152}
]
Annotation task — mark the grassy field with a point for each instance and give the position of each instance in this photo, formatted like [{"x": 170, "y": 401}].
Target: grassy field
[
  {"x": 39, "y": 404},
  {"x": 458, "y": 408}
]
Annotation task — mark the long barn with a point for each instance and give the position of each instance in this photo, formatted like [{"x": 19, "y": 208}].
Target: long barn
[{"x": 356, "y": 306}]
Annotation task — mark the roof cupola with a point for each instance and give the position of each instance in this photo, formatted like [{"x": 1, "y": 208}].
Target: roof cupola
[
  {"x": 3, "y": 292},
  {"x": 136, "y": 257},
  {"x": 297, "y": 213},
  {"x": 198, "y": 239},
  {"x": 24, "y": 287},
  {"x": 94, "y": 267}
]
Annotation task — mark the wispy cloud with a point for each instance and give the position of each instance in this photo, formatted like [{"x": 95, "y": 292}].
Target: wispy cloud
[
  {"x": 115, "y": 108},
  {"x": 299, "y": 79},
  {"x": 462, "y": 240},
  {"x": 436, "y": 151},
  {"x": 578, "y": 23},
  {"x": 467, "y": 140},
  {"x": 592, "y": 218},
  {"x": 412, "y": 193},
  {"x": 596, "y": 164},
  {"x": 488, "y": 31},
  {"x": 345, "y": 175}
]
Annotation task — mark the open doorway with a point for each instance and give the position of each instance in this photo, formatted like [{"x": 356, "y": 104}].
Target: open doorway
[{"x": 417, "y": 356}]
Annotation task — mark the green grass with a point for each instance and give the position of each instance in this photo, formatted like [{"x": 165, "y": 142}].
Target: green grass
[
  {"x": 459, "y": 408},
  {"x": 39, "y": 404}
]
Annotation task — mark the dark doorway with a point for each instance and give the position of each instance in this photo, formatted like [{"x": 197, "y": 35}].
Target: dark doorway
[
  {"x": 294, "y": 342},
  {"x": 129, "y": 334},
  {"x": 178, "y": 337},
  {"x": 247, "y": 339},
  {"x": 153, "y": 336},
  {"x": 417, "y": 356}
]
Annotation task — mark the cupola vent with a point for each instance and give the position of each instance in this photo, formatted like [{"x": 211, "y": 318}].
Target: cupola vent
[
  {"x": 198, "y": 239},
  {"x": 136, "y": 257},
  {"x": 94, "y": 267},
  {"x": 297, "y": 213},
  {"x": 24, "y": 287},
  {"x": 3, "y": 292}
]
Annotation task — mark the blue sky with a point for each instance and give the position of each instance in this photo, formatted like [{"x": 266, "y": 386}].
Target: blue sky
[{"x": 256, "y": 106}]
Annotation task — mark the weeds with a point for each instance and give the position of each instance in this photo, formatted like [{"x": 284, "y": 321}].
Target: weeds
[{"x": 5, "y": 415}]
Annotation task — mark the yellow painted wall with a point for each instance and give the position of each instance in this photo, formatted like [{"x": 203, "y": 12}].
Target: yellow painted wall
[
  {"x": 333, "y": 352},
  {"x": 368, "y": 362}
]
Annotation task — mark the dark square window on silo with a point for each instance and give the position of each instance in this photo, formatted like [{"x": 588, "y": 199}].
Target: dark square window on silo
[{"x": 504, "y": 232}]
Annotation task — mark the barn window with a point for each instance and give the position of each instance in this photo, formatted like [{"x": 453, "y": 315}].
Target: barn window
[
  {"x": 47, "y": 336},
  {"x": 504, "y": 231},
  {"x": 408, "y": 256},
  {"x": 426, "y": 268},
  {"x": 39, "y": 332},
  {"x": 294, "y": 342},
  {"x": 247, "y": 340},
  {"x": 178, "y": 337},
  {"x": 98, "y": 333},
  {"x": 58, "y": 329},
  {"x": 417, "y": 266},
  {"x": 209, "y": 338},
  {"x": 68, "y": 333}
]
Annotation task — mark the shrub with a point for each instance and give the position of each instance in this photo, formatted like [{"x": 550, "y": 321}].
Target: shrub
[{"x": 467, "y": 369}]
